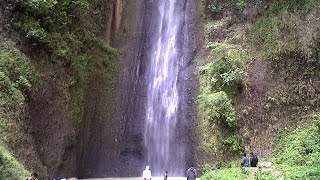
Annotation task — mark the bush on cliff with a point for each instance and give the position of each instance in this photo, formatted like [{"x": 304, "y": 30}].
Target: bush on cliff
[{"x": 10, "y": 168}]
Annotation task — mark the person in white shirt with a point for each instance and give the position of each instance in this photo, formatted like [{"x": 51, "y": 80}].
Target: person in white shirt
[{"x": 146, "y": 173}]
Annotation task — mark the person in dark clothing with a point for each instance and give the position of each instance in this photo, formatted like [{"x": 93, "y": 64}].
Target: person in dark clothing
[
  {"x": 253, "y": 160},
  {"x": 33, "y": 176},
  {"x": 191, "y": 173},
  {"x": 245, "y": 161},
  {"x": 166, "y": 175}
]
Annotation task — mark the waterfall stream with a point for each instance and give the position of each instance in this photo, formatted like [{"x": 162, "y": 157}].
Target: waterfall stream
[{"x": 163, "y": 152}]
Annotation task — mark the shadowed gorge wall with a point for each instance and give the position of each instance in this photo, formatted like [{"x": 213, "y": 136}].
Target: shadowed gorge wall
[{"x": 85, "y": 113}]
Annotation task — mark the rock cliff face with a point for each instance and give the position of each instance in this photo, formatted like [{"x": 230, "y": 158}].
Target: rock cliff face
[{"x": 106, "y": 137}]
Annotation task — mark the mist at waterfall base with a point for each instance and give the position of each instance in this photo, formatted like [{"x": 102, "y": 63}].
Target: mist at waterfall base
[{"x": 163, "y": 150}]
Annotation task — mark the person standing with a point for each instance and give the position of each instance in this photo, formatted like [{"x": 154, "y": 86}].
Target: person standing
[
  {"x": 245, "y": 161},
  {"x": 253, "y": 160},
  {"x": 191, "y": 173},
  {"x": 146, "y": 173},
  {"x": 165, "y": 176}
]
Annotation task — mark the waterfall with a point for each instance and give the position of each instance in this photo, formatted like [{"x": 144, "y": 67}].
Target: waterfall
[{"x": 161, "y": 143}]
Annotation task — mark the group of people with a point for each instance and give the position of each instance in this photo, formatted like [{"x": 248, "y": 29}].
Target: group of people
[
  {"x": 251, "y": 161},
  {"x": 191, "y": 174}
]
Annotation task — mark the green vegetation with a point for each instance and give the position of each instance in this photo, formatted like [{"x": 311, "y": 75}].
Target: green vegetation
[
  {"x": 236, "y": 98},
  {"x": 61, "y": 37},
  {"x": 16, "y": 79},
  {"x": 224, "y": 174},
  {"x": 233, "y": 143},
  {"x": 218, "y": 106},
  {"x": 301, "y": 146},
  {"x": 221, "y": 77},
  {"x": 217, "y": 7},
  {"x": 297, "y": 156},
  {"x": 282, "y": 28},
  {"x": 16, "y": 76},
  {"x": 10, "y": 168},
  {"x": 59, "y": 30},
  {"x": 298, "y": 151},
  {"x": 225, "y": 68},
  {"x": 262, "y": 175}
]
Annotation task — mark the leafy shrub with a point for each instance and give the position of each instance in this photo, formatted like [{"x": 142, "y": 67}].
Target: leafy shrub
[
  {"x": 53, "y": 14},
  {"x": 218, "y": 106},
  {"x": 220, "y": 79},
  {"x": 233, "y": 143},
  {"x": 225, "y": 71}
]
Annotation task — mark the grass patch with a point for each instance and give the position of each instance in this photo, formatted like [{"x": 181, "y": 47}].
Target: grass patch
[
  {"x": 224, "y": 174},
  {"x": 301, "y": 146},
  {"x": 301, "y": 172},
  {"x": 298, "y": 151},
  {"x": 263, "y": 175}
]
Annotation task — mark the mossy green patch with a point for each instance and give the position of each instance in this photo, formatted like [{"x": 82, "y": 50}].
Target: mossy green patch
[
  {"x": 16, "y": 78},
  {"x": 283, "y": 28},
  {"x": 60, "y": 30},
  {"x": 217, "y": 7},
  {"x": 10, "y": 168}
]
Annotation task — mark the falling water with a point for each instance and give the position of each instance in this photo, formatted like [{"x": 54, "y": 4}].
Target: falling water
[{"x": 163, "y": 153}]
